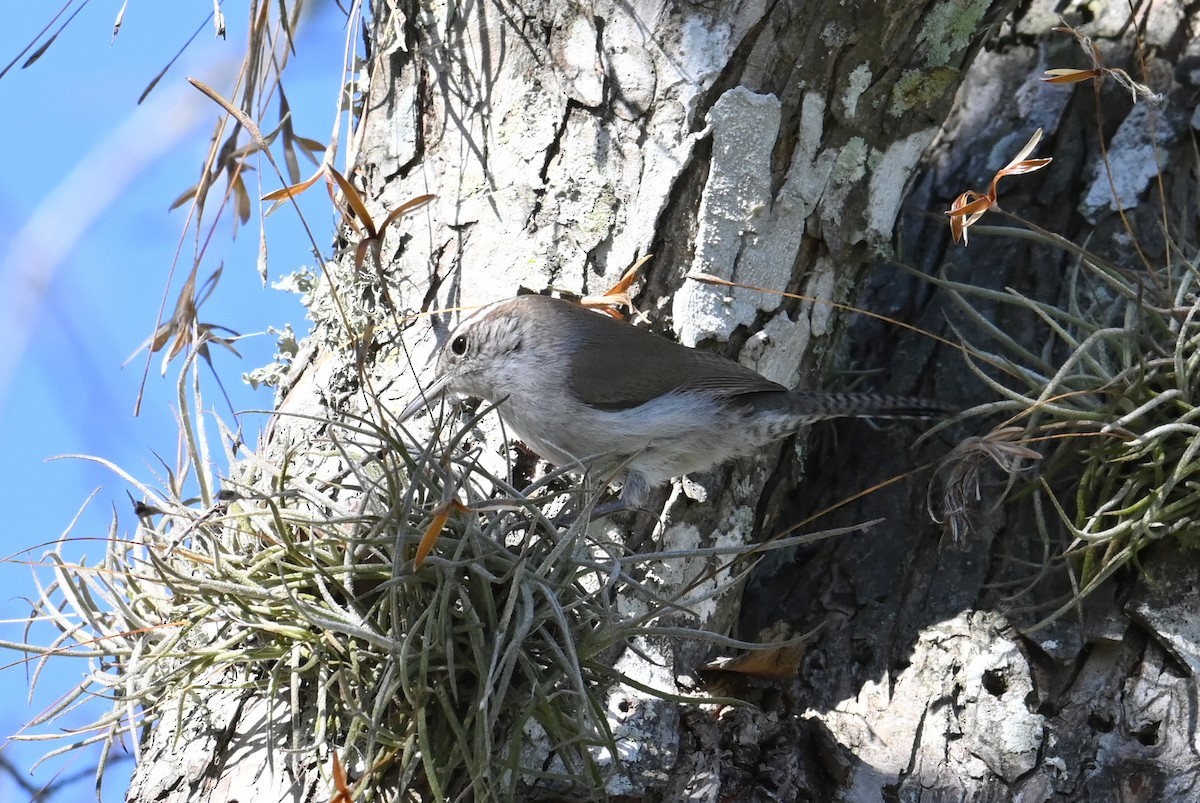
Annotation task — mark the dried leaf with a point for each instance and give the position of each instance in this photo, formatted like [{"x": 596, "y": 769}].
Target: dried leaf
[
  {"x": 246, "y": 121},
  {"x": 159, "y": 338},
  {"x": 294, "y": 190},
  {"x": 1021, "y": 168},
  {"x": 39, "y": 35},
  {"x": 618, "y": 294},
  {"x": 770, "y": 663},
  {"x": 1070, "y": 76},
  {"x": 185, "y": 196},
  {"x": 241, "y": 198},
  {"x": 357, "y": 206},
  {"x": 970, "y": 203},
  {"x": 966, "y": 209},
  {"x": 969, "y": 206},
  {"x": 341, "y": 789},
  {"x": 311, "y": 147},
  {"x": 1025, "y": 151},
  {"x": 262, "y": 252},
  {"x": 289, "y": 148},
  {"x": 184, "y": 329},
  {"x": 209, "y": 286},
  {"x": 365, "y": 245},
  {"x": 288, "y": 24},
  {"x": 440, "y": 516},
  {"x": 1099, "y": 71},
  {"x": 171, "y": 63},
  {"x": 621, "y": 288},
  {"x": 404, "y": 209}
]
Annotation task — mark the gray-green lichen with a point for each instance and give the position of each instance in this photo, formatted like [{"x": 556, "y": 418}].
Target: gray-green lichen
[
  {"x": 949, "y": 27},
  {"x": 851, "y": 162},
  {"x": 273, "y": 374},
  {"x": 859, "y": 80},
  {"x": 919, "y": 89}
]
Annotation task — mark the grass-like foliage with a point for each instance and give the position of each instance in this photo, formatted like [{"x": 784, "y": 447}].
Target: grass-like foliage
[
  {"x": 1117, "y": 417},
  {"x": 476, "y": 673},
  {"x": 479, "y": 674},
  {"x": 293, "y": 585},
  {"x": 1100, "y": 397}
]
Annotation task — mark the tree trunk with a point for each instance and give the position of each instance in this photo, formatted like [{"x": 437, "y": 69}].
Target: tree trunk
[
  {"x": 771, "y": 144},
  {"x": 927, "y": 679}
]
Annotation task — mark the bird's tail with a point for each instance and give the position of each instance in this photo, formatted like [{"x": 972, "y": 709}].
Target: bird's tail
[{"x": 817, "y": 405}]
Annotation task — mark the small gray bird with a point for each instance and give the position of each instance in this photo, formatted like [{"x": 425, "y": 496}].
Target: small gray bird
[{"x": 585, "y": 390}]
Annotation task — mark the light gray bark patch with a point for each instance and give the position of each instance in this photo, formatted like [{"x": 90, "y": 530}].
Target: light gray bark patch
[
  {"x": 1140, "y": 149},
  {"x": 577, "y": 57},
  {"x": 737, "y": 198}
]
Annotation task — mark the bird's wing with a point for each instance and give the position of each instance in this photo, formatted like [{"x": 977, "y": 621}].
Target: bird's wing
[{"x": 615, "y": 366}]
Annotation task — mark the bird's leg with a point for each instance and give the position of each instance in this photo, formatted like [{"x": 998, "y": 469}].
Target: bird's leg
[{"x": 635, "y": 493}]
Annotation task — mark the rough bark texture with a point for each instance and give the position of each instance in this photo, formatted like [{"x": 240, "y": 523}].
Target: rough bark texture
[
  {"x": 922, "y": 683},
  {"x": 771, "y": 143}
]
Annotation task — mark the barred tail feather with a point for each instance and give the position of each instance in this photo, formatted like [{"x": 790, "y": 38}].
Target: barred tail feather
[{"x": 819, "y": 404}]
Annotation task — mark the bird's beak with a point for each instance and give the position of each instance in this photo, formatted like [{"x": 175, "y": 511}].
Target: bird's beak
[{"x": 427, "y": 397}]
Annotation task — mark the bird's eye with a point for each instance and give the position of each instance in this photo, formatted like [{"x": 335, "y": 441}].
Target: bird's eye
[{"x": 459, "y": 346}]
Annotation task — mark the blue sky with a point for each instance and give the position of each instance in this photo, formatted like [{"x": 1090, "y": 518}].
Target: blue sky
[{"x": 82, "y": 275}]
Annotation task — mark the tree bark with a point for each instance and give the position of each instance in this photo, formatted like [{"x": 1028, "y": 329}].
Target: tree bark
[
  {"x": 926, "y": 679},
  {"x": 771, "y": 144}
]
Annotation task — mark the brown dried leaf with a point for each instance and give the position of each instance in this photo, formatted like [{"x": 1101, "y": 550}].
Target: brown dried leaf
[
  {"x": 357, "y": 206},
  {"x": 770, "y": 663},
  {"x": 434, "y": 531},
  {"x": 293, "y": 190},
  {"x": 1063, "y": 76},
  {"x": 241, "y": 198},
  {"x": 246, "y": 120},
  {"x": 1021, "y": 168},
  {"x": 969, "y": 206},
  {"x": 1025, "y": 151},
  {"x": 342, "y": 792},
  {"x": 311, "y": 147},
  {"x": 365, "y": 245},
  {"x": 966, "y": 209},
  {"x": 404, "y": 209},
  {"x": 618, "y": 294}
]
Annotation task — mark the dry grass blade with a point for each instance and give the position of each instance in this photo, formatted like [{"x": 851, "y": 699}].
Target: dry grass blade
[
  {"x": 170, "y": 63},
  {"x": 717, "y": 280},
  {"x": 119, "y": 20},
  {"x": 35, "y": 39}
]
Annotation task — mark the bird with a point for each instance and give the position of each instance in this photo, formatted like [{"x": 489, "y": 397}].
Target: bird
[{"x": 589, "y": 392}]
